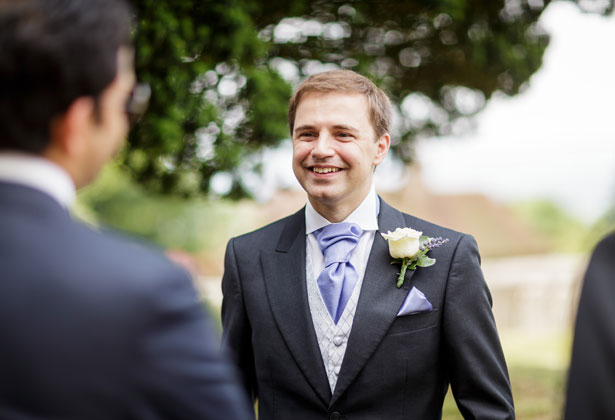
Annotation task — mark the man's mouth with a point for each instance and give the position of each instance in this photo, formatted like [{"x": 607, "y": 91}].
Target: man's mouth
[{"x": 324, "y": 170}]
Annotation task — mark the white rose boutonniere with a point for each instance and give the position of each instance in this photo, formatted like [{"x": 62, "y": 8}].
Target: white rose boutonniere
[{"x": 409, "y": 248}]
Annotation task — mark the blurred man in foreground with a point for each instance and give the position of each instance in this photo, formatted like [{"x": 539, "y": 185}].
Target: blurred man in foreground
[
  {"x": 320, "y": 322},
  {"x": 91, "y": 326}
]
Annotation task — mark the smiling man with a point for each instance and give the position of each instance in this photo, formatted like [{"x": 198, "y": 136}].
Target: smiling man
[{"x": 312, "y": 313}]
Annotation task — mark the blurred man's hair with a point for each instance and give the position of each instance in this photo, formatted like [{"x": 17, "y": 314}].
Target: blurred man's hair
[
  {"x": 51, "y": 53},
  {"x": 346, "y": 81}
]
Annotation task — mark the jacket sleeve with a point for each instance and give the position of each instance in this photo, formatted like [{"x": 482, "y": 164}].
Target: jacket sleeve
[
  {"x": 476, "y": 366},
  {"x": 591, "y": 377},
  {"x": 181, "y": 373},
  {"x": 236, "y": 329}
]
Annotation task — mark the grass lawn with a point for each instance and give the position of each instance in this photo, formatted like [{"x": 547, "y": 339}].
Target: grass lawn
[
  {"x": 538, "y": 394},
  {"x": 537, "y": 365}
]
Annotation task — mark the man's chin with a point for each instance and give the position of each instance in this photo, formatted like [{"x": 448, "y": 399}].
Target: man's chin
[{"x": 323, "y": 197}]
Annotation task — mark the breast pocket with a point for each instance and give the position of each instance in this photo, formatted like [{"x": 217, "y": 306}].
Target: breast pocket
[{"x": 414, "y": 322}]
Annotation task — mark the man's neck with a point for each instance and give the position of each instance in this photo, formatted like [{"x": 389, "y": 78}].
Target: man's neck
[
  {"x": 37, "y": 172},
  {"x": 338, "y": 211}
]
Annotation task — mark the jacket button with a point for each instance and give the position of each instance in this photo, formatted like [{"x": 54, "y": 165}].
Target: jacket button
[{"x": 334, "y": 416}]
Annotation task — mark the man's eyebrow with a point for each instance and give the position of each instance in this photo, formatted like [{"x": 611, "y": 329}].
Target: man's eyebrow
[
  {"x": 342, "y": 127},
  {"x": 345, "y": 128},
  {"x": 304, "y": 127}
]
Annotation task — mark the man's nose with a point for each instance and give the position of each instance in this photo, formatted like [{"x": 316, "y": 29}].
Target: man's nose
[{"x": 323, "y": 146}]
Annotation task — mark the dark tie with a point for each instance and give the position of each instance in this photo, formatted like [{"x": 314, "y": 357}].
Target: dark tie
[{"x": 339, "y": 277}]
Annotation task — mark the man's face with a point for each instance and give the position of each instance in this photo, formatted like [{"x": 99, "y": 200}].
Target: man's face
[
  {"x": 110, "y": 126},
  {"x": 334, "y": 149}
]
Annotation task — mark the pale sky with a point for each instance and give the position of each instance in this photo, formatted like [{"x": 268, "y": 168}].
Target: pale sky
[{"x": 556, "y": 140}]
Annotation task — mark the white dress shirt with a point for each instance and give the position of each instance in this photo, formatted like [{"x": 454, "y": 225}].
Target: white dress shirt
[
  {"x": 38, "y": 173},
  {"x": 366, "y": 216}
]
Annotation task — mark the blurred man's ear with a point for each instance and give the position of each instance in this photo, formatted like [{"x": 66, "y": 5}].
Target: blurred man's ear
[
  {"x": 69, "y": 137},
  {"x": 70, "y": 131}
]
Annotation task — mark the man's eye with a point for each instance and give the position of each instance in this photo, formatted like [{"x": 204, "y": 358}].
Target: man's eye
[
  {"x": 306, "y": 134},
  {"x": 344, "y": 135}
]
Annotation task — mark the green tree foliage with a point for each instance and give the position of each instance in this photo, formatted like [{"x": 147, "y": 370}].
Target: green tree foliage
[
  {"x": 215, "y": 99},
  {"x": 440, "y": 59},
  {"x": 221, "y": 72}
]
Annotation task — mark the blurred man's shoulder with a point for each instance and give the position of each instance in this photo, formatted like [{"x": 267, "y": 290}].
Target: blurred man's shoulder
[{"x": 119, "y": 261}]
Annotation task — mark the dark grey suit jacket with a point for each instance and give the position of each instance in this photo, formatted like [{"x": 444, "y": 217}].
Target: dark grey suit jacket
[
  {"x": 394, "y": 367},
  {"x": 95, "y": 327}
]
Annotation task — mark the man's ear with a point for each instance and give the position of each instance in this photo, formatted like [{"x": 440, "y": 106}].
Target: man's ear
[
  {"x": 383, "y": 143},
  {"x": 70, "y": 131}
]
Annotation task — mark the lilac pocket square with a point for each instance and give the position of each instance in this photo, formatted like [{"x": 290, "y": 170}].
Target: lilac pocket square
[{"x": 415, "y": 302}]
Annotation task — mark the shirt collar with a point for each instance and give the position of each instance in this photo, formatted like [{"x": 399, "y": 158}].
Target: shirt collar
[
  {"x": 366, "y": 215},
  {"x": 38, "y": 173}
]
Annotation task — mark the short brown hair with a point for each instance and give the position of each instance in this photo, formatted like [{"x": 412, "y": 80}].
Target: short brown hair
[{"x": 346, "y": 81}]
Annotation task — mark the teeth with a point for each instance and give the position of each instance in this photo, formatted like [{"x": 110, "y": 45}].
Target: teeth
[{"x": 325, "y": 170}]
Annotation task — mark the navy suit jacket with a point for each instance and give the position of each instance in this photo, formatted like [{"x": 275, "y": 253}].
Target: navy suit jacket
[
  {"x": 394, "y": 367},
  {"x": 95, "y": 327}
]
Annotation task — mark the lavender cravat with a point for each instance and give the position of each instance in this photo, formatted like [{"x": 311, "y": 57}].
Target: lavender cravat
[{"x": 339, "y": 277}]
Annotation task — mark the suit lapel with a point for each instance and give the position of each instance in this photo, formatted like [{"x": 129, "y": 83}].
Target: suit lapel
[
  {"x": 285, "y": 281},
  {"x": 379, "y": 301}
]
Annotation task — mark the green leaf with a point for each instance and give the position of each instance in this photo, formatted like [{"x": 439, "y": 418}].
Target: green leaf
[
  {"x": 424, "y": 239},
  {"x": 425, "y": 261},
  {"x": 420, "y": 254}
]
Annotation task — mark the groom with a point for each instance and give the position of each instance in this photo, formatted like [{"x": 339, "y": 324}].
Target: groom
[{"x": 311, "y": 310}]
